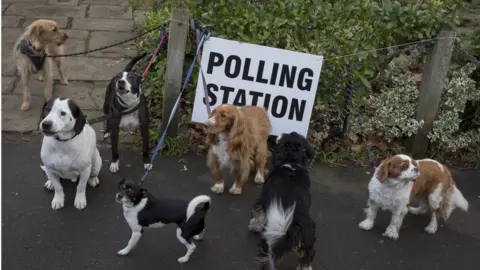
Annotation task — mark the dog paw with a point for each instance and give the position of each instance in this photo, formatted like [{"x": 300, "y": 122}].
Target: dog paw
[
  {"x": 123, "y": 252},
  {"x": 25, "y": 106},
  {"x": 93, "y": 182},
  {"x": 217, "y": 188},
  {"x": 40, "y": 78},
  {"x": 58, "y": 202},
  {"x": 114, "y": 167},
  {"x": 198, "y": 237},
  {"x": 259, "y": 179},
  {"x": 80, "y": 201},
  {"x": 64, "y": 81},
  {"x": 391, "y": 233},
  {"x": 366, "y": 225},
  {"x": 49, "y": 186},
  {"x": 431, "y": 229},
  {"x": 148, "y": 166},
  {"x": 106, "y": 135},
  {"x": 183, "y": 259},
  {"x": 234, "y": 190}
]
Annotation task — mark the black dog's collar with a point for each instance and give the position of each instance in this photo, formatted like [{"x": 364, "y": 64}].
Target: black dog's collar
[{"x": 37, "y": 57}]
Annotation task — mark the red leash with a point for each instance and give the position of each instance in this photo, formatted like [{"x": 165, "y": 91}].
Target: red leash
[{"x": 163, "y": 37}]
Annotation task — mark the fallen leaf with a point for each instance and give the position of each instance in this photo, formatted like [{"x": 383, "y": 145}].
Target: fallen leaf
[
  {"x": 356, "y": 148},
  {"x": 353, "y": 137}
]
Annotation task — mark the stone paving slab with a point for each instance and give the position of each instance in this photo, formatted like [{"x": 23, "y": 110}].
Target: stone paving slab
[
  {"x": 92, "y": 69},
  {"x": 8, "y": 68},
  {"x": 75, "y": 45},
  {"x": 102, "y": 38},
  {"x": 106, "y": 22},
  {"x": 24, "y": 1},
  {"x": 36, "y": 10},
  {"x": 7, "y": 84},
  {"x": 35, "y": 86},
  {"x": 103, "y": 24},
  {"x": 78, "y": 92},
  {"x": 106, "y": 2},
  {"x": 110, "y": 12},
  {"x": 9, "y": 36},
  {"x": 76, "y": 34},
  {"x": 98, "y": 93},
  {"x": 11, "y": 21},
  {"x": 16, "y": 120},
  {"x": 64, "y": 2},
  {"x": 61, "y": 21}
]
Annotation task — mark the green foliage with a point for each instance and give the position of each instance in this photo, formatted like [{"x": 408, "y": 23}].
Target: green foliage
[
  {"x": 391, "y": 114},
  {"x": 329, "y": 28},
  {"x": 446, "y": 132},
  {"x": 348, "y": 33}
]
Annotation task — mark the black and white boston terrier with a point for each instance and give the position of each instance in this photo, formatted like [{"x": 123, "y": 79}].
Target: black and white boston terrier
[
  {"x": 124, "y": 93},
  {"x": 142, "y": 210}
]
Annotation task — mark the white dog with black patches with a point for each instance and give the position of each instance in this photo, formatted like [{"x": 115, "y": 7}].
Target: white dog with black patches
[{"x": 69, "y": 150}]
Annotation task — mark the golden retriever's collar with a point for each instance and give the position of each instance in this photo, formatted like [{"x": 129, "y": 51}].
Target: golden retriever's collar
[{"x": 36, "y": 56}]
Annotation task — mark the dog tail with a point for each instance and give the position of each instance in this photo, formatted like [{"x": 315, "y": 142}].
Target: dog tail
[
  {"x": 199, "y": 204},
  {"x": 132, "y": 63},
  {"x": 455, "y": 200},
  {"x": 276, "y": 227}
]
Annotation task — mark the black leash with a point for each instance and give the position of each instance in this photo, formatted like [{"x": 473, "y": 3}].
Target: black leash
[
  {"x": 109, "y": 46},
  {"x": 112, "y": 115}
]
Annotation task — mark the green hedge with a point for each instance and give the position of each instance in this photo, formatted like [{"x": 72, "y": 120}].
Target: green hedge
[{"x": 347, "y": 33}]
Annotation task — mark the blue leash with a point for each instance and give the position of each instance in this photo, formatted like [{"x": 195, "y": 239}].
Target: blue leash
[{"x": 205, "y": 36}]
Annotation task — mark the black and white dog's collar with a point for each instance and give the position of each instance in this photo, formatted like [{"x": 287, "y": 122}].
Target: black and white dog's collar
[{"x": 36, "y": 56}]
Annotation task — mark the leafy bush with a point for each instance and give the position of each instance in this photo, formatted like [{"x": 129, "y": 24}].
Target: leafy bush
[
  {"x": 391, "y": 114},
  {"x": 459, "y": 91},
  {"x": 347, "y": 33}
]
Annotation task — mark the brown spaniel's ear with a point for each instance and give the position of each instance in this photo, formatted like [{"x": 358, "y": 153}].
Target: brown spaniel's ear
[
  {"x": 237, "y": 135},
  {"x": 382, "y": 173}
]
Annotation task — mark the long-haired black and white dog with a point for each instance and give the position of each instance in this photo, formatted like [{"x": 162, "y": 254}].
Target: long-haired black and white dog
[
  {"x": 142, "y": 210},
  {"x": 282, "y": 211}
]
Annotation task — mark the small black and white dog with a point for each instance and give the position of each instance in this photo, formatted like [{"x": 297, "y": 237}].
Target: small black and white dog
[
  {"x": 282, "y": 211},
  {"x": 124, "y": 93},
  {"x": 142, "y": 210},
  {"x": 69, "y": 150}
]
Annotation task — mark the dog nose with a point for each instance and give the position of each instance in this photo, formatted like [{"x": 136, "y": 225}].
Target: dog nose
[
  {"x": 65, "y": 35},
  {"x": 117, "y": 196},
  {"x": 46, "y": 125},
  {"x": 210, "y": 122},
  {"x": 121, "y": 83},
  {"x": 415, "y": 169}
]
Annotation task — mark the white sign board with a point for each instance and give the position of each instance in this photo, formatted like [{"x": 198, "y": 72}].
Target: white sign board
[{"x": 284, "y": 82}]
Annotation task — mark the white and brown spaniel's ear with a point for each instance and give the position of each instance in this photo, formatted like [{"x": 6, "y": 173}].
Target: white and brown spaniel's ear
[
  {"x": 238, "y": 132},
  {"x": 382, "y": 173}
]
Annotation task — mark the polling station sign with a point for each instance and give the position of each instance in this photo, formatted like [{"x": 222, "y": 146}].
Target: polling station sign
[{"x": 284, "y": 82}]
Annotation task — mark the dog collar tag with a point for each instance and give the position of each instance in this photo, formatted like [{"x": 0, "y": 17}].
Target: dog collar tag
[{"x": 37, "y": 58}]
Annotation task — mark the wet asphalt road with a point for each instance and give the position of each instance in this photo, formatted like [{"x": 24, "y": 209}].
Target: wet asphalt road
[{"x": 36, "y": 237}]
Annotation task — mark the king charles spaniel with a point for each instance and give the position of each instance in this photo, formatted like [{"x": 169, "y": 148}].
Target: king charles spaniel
[
  {"x": 400, "y": 179},
  {"x": 237, "y": 140}
]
